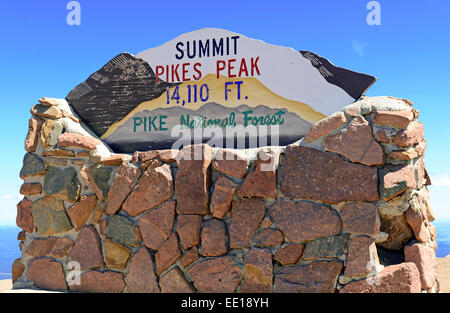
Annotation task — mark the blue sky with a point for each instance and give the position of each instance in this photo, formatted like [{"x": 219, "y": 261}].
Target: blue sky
[{"x": 41, "y": 55}]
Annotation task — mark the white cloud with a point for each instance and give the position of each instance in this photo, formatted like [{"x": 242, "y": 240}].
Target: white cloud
[
  {"x": 6, "y": 196},
  {"x": 358, "y": 47},
  {"x": 440, "y": 179}
]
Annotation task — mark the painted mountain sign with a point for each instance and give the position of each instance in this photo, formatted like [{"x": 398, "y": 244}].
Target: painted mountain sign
[{"x": 213, "y": 86}]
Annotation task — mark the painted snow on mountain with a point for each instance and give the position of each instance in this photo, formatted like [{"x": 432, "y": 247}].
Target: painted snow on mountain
[
  {"x": 205, "y": 121},
  {"x": 283, "y": 70}
]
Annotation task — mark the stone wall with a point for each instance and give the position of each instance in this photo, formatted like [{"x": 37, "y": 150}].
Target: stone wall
[{"x": 345, "y": 209}]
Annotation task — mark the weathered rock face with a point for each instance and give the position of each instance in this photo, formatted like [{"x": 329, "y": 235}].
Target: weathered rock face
[
  {"x": 24, "y": 217},
  {"x": 154, "y": 187},
  {"x": 62, "y": 183},
  {"x": 167, "y": 254},
  {"x": 424, "y": 258},
  {"x": 34, "y": 128},
  {"x": 362, "y": 257},
  {"x": 246, "y": 215},
  {"x": 398, "y": 230},
  {"x": 100, "y": 282},
  {"x": 51, "y": 247},
  {"x": 116, "y": 255},
  {"x": 47, "y": 274},
  {"x": 97, "y": 177},
  {"x": 356, "y": 143},
  {"x": 216, "y": 275},
  {"x": 214, "y": 238},
  {"x": 77, "y": 140},
  {"x": 301, "y": 221},
  {"x": 397, "y": 179},
  {"x": 400, "y": 278},
  {"x": 321, "y": 215},
  {"x": 410, "y": 136},
  {"x": 50, "y": 217},
  {"x": 397, "y": 119},
  {"x": 121, "y": 229},
  {"x": 188, "y": 229},
  {"x": 224, "y": 190},
  {"x": 325, "y": 126},
  {"x": 311, "y": 174},
  {"x": 269, "y": 238},
  {"x": 175, "y": 282},
  {"x": 156, "y": 225},
  {"x": 193, "y": 180},
  {"x": 87, "y": 249},
  {"x": 230, "y": 163},
  {"x": 79, "y": 213},
  {"x": 318, "y": 276},
  {"x": 258, "y": 271},
  {"x": 126, "y": 178},
  {"x": 50, "y": 132},
  {"x": 289, "y": 254},
  {"x": 360, "y": 218},
  {"x": 141, "y": 277},
  {"x": 17, "y": 270},
  {"x": 326, "y": 247},
  {"x": 28, "y": 189},
  {"x": 32, "y": 166}
]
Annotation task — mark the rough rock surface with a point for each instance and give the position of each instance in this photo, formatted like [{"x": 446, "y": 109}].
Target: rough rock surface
[
  {"x": 34, "y": 128},
  {"x": 24, "y": 218},
  {"x": 153, "y": 188},
  {"x": 318, "y": 276},
  {"x": 126, "y": 178},
  {"x": 141, "y": 278},
  {"x": 219, "y": 275},
  {"x": 224, "y": 190},
  {"x": 300, "y": 221},
  {"x": 213, "y": 238},
  {"x": 54, "y": 247},
  {"x": 87, "y": 249},
  {"x": 116, "y": 255},
  {"x": 325, "y": 126},
  {"x": 400, "y": 278},
  {"x": 269, "y": 237},
  {"x": 230, "y": 163},
  {"x": 362, "y": 257},
  {"x": 32, "y": 166},
  {"x": 76, "y": 140},
  {"x": 79, "y": 213},
  {"x": 425, "y": 259},
  {"x": 312, "y": 174},
  {"x": 188, "y": 229},
  {"x": 356, "y": 143},
  {"x": 325, "y": 247},
  {"x": 50, "y": 217},
  {"x": 167, "y": 254},
  {"x": 246, "y": 215},
  {"x": 193, "y": 180},
  {"x": 47, "y": 274},
  {"x": 360, "y": 218},
  {"x": 62, "y": 183},
  {"x": 100, "y": 282},
  {"x": 289, "y": 254},
  {"x": 258, "y": 271},
  {"x": 156, "y": 225},
  {"x": 121, "y": 229},
  {"x": 398, "y": 230},
  {"x": 175, "y": 282}
]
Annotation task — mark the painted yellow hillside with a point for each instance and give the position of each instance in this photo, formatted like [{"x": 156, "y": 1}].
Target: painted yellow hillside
[{"x": 252, "y": 88}]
